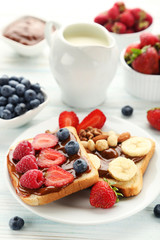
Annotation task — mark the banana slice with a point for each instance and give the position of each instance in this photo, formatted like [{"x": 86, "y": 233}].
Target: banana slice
[
  {"x": 122, "y": 169},
  {"x": 95, "y": 160},
  {"x": 136, "y": 146}
]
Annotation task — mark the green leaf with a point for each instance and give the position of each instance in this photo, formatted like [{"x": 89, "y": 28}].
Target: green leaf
[
  {"x": 136, "y": 51},
  {"x": 115, "y": 189}
]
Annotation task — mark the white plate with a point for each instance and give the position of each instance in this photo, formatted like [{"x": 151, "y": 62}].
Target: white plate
[{"x": 76, "y": 209}]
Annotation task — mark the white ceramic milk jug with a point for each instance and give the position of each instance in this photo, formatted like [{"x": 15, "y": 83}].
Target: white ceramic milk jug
[{"x": 83, "y": 60}]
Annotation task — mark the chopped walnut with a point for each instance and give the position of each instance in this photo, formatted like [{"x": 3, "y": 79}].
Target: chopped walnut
[{"x": 89, "y": 133}]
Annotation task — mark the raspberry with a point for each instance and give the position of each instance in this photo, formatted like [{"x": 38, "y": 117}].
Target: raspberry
[
  {"x": 22, "y": 149},
  {"x": 32, "y": 179},
  {"x": 26, "y": 163}
]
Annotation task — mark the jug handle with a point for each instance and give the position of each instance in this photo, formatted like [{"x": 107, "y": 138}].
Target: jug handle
[{"x": 48, "y": 30}]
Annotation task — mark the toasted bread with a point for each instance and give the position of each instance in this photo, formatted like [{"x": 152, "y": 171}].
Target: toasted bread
[
  {"x": 135, "y": 184},
  {"x": 85, "y": 180}
]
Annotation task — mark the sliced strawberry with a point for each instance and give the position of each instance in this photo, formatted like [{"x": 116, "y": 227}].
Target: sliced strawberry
[
  {"x": 58, "y": 177},
  {"x": 68, "y": 119},
  {"x": 95, "y": 119},
  {"x": 50, "y": 157},
  {"x": 44, "y": 140}
]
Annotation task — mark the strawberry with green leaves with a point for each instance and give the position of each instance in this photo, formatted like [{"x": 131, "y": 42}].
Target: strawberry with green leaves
[
  {"x": 103, "y": 195},
  {"x": 145, "y": 60}
]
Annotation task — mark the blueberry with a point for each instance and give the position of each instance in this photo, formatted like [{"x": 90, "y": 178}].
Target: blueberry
[
  {"x": 36, "y": 87},
  {"x": 3, "y": 101},
  {"x": 72, "y": 147},
  {"x": 28, "y": 106},
  {"x": 14, "y": 99},
  {"x": 10, "y": 107},
  {"x": 16, "y": 223},
  {"x": 13, "y": 115},
  {"x": 29, "y": 95},
  {"x": 34, "y": 103},
  {"x": 21, "y": 100},
  {"x": 21, "y": 78},
  {"x": 63, "y": 134},
  {"x": 127, "y": 111},
  {"x": 6, "y": 90},
  {"x": 14, "y": 78},
  {"x": 1, "y": 109},
  {"x": 80, "y": 165},
  {"x": 6, "y": 114},
  {"x": 13, "y": 83},
  {"x": 40, "y": 96},
  {"x": 20, "y": 109},
  {"x": 4, "y": 80},
  {"x": 20, "y": 89},
  {"x": 26, "y": 83},
  {"x": 157, "y": 210}
]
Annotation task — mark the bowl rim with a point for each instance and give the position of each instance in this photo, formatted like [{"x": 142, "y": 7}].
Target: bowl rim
[{"x": 132, "y": 71}]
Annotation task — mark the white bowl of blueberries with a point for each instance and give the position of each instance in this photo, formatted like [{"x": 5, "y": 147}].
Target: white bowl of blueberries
[{"x": 20, "y": 101}]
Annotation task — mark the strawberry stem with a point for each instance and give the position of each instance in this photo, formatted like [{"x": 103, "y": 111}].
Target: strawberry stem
[{"x": 115, "y": 189}]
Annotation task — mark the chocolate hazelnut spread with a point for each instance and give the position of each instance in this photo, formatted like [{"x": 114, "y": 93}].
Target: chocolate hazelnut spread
[
  {"x": 26, "y": 30},
  {"x": 68, "y": 166},
  {"x": 108, "y": 155}
]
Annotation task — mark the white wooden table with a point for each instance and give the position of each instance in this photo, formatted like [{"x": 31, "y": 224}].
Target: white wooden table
[{"x": 143, "y": 225}]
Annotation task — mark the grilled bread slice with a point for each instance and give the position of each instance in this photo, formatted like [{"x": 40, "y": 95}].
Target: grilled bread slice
[{"x": 34, "y": 197}]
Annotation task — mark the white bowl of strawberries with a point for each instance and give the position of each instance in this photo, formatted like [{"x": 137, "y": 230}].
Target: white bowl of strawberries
[
  {"x": 125, "y": 24},
  {"x": 141, "y": 65}
]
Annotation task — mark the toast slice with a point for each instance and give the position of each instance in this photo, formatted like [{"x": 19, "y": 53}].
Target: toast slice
[
  {"x": 35, "y": 197},
  {"x": 128, "y": 188}
]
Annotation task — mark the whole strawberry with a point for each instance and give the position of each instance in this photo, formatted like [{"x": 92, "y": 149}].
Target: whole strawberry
[
  {"x": 153, "y": 116},
  {"x": 101, "y": 18},
  {"x": 138, "y": 14},
  {"x": 119, "y": 27},
  {"x": 102, "y": 195},
  {"x": 113, "y": 13},
  {"x": 147, "y": 62},
  {"x": 148, "y": 39},
  {"x": 121, "y": 6},
  {"x": 142, "y": 25},
  {"x": 127, "y": 18}
]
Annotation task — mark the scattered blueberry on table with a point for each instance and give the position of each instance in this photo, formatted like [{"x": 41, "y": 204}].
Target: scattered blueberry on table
[
  {"x": 18, "y": 95},
  {"x": 127, "y": 111},
  {"x": 16, "y": 223},
  {"x": 157, "y": 210}
]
